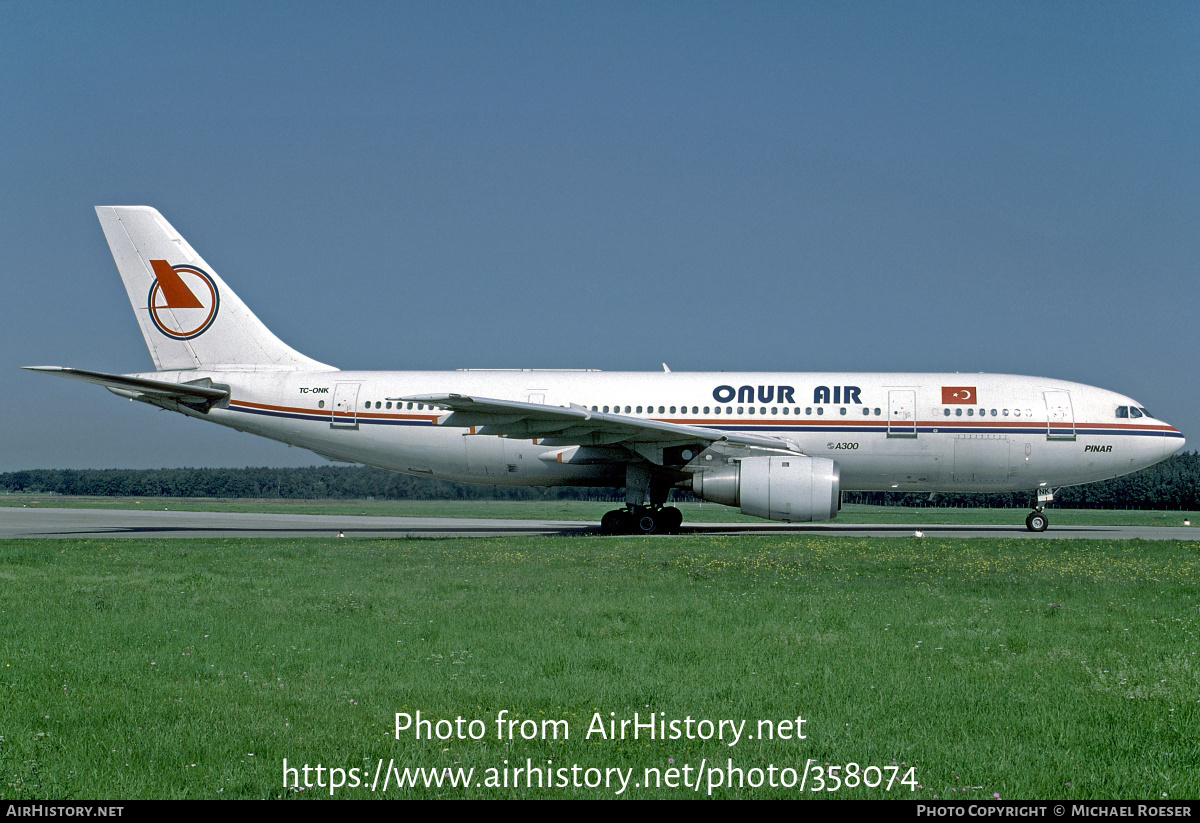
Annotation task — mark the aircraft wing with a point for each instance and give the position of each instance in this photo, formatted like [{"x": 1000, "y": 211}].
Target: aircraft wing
[
  {"x": 579, "y": 426},
  {"x": 202, "y": 393}
]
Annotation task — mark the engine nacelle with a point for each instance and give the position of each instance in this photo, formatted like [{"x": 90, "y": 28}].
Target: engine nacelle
[{"x": 794, "y": 489}]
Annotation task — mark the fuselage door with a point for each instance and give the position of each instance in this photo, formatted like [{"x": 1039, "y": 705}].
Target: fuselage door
[
  {"x": 1060, "y": 417},
  {"x": 345, "y": 405},
  {"x": 902, "y": 413}
]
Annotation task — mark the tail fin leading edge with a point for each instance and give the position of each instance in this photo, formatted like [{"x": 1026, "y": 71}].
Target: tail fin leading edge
[{"x": 189, "y": 317}]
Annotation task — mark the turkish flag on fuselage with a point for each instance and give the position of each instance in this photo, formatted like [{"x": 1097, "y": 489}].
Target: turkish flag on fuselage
[{"x": 958, "y": 394}]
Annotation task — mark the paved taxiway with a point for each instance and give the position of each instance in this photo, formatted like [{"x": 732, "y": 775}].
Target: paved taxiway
[{"x": 47, "y": 522}]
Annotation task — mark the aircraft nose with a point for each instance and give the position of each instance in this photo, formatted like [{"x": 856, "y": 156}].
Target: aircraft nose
[{"x": 1173, "y": 442}]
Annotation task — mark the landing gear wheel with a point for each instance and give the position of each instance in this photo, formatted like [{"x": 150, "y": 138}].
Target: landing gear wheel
[
  {"x": 1036, "y": 522},
  {"x": 641, "y": 520},
  {"x": 645, "y": 521},
  {"x": 671, "y": 519},
  {"x": 615, "y": 522}
]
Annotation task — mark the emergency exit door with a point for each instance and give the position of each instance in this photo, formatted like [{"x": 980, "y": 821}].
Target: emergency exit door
[
  {"x": 344, "y": 414},
  {"x": 1060, "y": 416},
  {"x": 902, "y": 413}
]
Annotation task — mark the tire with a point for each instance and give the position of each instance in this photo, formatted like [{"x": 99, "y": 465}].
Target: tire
[
  {"x": 1036, "y": 522},
  {"x": 646, "y": 521},
  {"x": 672, "y": 519},
  {"x": 613, "y": 522}
]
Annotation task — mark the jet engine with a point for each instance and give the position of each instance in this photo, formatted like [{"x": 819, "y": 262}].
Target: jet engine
[{"x": 795, "y": 489}]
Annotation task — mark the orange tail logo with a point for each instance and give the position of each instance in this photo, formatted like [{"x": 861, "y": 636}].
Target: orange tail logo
[{"x": 183, "y": 300}]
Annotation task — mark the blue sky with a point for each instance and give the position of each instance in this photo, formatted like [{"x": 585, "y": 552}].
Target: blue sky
[{"x": 1002, "y": 187}]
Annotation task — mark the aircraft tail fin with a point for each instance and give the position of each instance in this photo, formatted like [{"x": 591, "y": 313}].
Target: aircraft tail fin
[{"x": 189, "y": 317}]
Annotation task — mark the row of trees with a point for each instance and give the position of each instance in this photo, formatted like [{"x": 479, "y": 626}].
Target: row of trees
[
  {"x": 314, "y": 483},
  {"x": 1173, "y": 484}
]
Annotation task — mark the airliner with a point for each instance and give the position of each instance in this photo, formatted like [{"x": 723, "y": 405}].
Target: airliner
[{"x": 780, "y": 446}]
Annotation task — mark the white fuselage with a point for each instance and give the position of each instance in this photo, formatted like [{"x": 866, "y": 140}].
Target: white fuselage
[{"x": 904, "y": 432}]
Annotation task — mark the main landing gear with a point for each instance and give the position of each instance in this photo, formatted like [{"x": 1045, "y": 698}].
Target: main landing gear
[
  {"x": 636, "y": 517},
  {"x": 642, "y": 520}
]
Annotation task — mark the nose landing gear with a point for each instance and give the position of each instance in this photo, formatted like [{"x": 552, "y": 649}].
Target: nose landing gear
[{"x": 1036, "y": 521}]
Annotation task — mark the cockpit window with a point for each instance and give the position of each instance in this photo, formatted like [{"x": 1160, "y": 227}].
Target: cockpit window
[{"x": 1133, "y": 411}]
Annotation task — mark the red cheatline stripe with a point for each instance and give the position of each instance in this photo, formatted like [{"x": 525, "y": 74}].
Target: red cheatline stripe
[
  {"x": 326, "y": 412},
  {"x": 177, "y": 294}
]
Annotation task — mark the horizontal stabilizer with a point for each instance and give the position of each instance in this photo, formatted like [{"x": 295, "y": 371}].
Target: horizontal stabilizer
[{"x": 191, "y": 393}]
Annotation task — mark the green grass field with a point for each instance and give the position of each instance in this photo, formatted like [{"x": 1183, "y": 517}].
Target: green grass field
[{"x": 194, "y": 668}]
